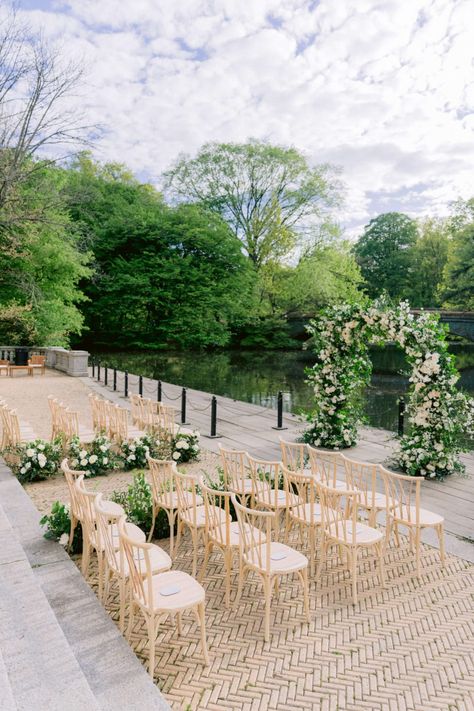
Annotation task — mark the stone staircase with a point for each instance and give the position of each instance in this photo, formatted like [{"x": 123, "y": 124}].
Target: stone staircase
[{"x": 58, "y": 647}]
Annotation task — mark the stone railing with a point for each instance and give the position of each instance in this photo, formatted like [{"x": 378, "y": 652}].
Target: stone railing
[{"x": 70, "y": 362}]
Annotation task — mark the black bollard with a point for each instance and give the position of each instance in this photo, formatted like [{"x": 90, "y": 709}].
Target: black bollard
[
  {"x": 93, "y": 368},
  {"x": 158, "y": 396},
  {"x": 126, "y": 384},
  {"x": 401, "y": 416},
  {"x": 183, "y": 407},
  {"x": 106, "y": 375},
  {"x": 98, "y": 370},
  {"x": 213, "y": 434},
  {"x": 115, "y": 378},
  {"x": 280, "y": 413},
  {"x": 140, "y": 385}
]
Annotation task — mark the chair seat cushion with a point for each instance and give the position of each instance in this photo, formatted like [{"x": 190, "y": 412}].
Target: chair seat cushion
[
  {"x": 364, "y": 535},
  {"x": 170, "y": 500},
  {"x": 279, "y": 499},
  {"x": 190, "y": 591},
  {"x": 407, "y": 515},
  {"x": 159, "y": 561},
  {"x": 283, "y": 559},
  {"x": 197, "y": 516},
  {"x": 244, "y": 486},
  {"x": 306, "y": 513},
  {"x": 234, "y": 534}
]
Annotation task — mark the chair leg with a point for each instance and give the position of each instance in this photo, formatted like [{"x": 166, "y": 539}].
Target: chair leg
[
  {"x": 178, "y": 536},
  {"x": 152, "y": 644},
  {"x": 195, "y": 537},
  {"x": 322, "y": 559},
  {"x": 71, "y": 532},
  {"x": 440, "y": 532},
  {"x": 172, "y": 513},
  {"x": 303, "y": 576},
  {"x": 353, "y": 559},
  {"x": 201, "y": 613},
  {"x": 131, "y": 618},
  {"x": 312, "y": 548},
  {"x": 100, "y": 562},
  {"x": 396, "y": 534},
  {"x": 154, "y": 515},
  {"x": 380, "y": 552},
  {"x": 86, "y": 556},
  {"x": 123, "y": 592},
  {"x": 207, "y": 553},
  {"x": 267, "y": 586},
  {"x": 179, "y": 624},
  {"x": 228, "y": 573},
  {"x": 418, "y": 550},
  {"x": 242, "y": 573},
  {"x": 288, "y": 526}
]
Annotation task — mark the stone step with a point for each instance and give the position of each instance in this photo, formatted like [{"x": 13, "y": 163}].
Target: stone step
[{"x": 60, "y": 648}]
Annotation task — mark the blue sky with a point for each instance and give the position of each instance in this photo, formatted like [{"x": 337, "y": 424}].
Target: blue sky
[{"x": 385, "y": 90}]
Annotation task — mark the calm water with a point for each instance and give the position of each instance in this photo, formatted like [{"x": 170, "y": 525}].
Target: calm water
[{"x": 257, "y": 376}]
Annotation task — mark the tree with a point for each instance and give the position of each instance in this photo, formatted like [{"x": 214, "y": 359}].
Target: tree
[
  {"x": 428, "y": 262},
  {"x": 385, "y": 252},
  {"x": 459, "y": 276},
  {"x": 269, "y": 195}
]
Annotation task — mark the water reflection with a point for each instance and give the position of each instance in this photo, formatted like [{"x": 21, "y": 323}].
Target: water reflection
[{"x": 257, "y": 376}]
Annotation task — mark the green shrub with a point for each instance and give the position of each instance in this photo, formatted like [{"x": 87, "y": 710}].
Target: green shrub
[
  {"x": 137, "y": 503},
  {"x": 95, "y": 458},
  {"x": 58, "y": 526},
  {"x": 37, "y": 460},
  {"x": 185, "y": 447}
]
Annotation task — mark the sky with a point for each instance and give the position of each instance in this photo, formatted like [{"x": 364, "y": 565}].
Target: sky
[{"x": 382, "y": 89}]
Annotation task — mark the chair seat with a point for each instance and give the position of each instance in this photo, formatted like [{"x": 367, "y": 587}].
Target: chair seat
[
  {"x": 407, "y": 515},
  {"x": 303, "y": 513},
  {"x": 36, "y": 365},
  {"x": 170, "y": 500},
  {"x": 287, "y": 560},
  {"x": 159, "y": 561},
  {"x": 244, "y": 486},
  {"x": 281, "y": 500},
  {"x": 198, "y": 518},
  {"x": 190, "y": 591},
  {"x": 364, "y": 535},
  {"x": 234, "y": 534}
]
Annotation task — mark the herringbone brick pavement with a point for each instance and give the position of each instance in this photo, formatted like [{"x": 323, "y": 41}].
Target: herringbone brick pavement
[{"x": 408, "y": 647}]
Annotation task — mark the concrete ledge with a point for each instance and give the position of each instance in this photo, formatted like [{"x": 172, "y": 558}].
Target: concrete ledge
[{"x": 116, "y": 678}]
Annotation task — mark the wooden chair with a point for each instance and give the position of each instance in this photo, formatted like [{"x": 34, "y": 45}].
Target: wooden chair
[
  {"x": 191, "y": 512},
  {"x": 71, "y": 476},
  {"x": 37, "y": 362},
  {"x": 270, "y": 560},
  {"x": 324, "y": 467},
  {"x": 55, "y": 411},
  {"x": 164, "y": 496},
  {"x": 403, "y": 509},
  {"x": 17, "y": 432},
  {"x": 4, "y": 366},
  {"x": 91, "y": 539},
  {"x": 72, "y": 428},
  {"x": 115, "y": 563},
  {"x": 122, "y": 430},
  {"x": 294, "y": 455},
  {"x": 362, "y": 477},
  {"x": 267, "y": 478},
  {"x": 307, "y": 513},
  {"x": 223, "y": 535},
  {"x": 136, "y": 403},
  {"x": 237, "y": 478},
  {"x": 159, "y": 596},
  {"x": 347, "y": 532}
]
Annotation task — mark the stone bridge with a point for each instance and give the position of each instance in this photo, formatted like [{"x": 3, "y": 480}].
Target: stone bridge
[{"x": 461, "y": 323}]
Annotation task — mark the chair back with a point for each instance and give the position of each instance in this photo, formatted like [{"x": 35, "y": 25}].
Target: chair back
[
  {"x": 236, "y": 469},
  {"x": 103, "y": 410},
  {"x": 150, "y": 413},
  {"x": 187, "y": 492},
  {"x": 136, "y": 402},
  {"x": 71, "y": 475},
  {"x": 71, "y": 423},
  {"x": 162, "y": 476},
  {"x": 120, "y": 420},
  {"x": 361, "y": 476},
  {"x": 266, "y": 480},
  {"x": 255, "y": 529},
  {"x": 107, "y": 516},
  {"x": 338, "y": 512},
  {"x": 137, "y": 553},
  {"x": 324, "y": 465},
  {"x": 294, "y": 455},
  {"x": 304, "y": 487},
  {"x": 13, "y": 427},
  {"x": 215, "y": 501},
  {"x": 85, "y": 500},
  {"x": 167, "y": 417},
  {"x": 403, "y": 496},
  {"x": 6, "y": 434},
  {"x": 37, "y": 360}
]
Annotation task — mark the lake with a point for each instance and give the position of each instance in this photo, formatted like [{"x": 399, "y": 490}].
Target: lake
[{"x": 257, "y": 376}]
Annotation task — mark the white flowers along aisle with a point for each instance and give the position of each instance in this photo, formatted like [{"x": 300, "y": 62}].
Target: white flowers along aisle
[{"x": 440, "y": 417}]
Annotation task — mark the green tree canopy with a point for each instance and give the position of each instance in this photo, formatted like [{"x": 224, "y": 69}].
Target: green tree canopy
[
  {"x": 428, "y": 261},
  {"x": 459, "y": 276},
  {"x": 384, "y": 254},
  {"x": 268, "y": 195}
]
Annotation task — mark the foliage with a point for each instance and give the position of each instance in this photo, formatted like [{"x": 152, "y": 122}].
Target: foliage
[
  {"x": 384, "y": 254},
  {"x": 269, "y": 332},
  {"x": 58, "y": 526},
  {"x": 94, "y": 459},
  {"x": 137, "y": 504},
  {"x": 268, "y": 195},
  {"x": 459, "y": 291},
  {"x": 439, "y": 415},
  {"x": 134, "y": 454},
  {"x": 428, "y": 261},
  {"x": 36, "y": 461},
  {"x": 17, "y": 326},
  {"x": 185, "y": 447}
]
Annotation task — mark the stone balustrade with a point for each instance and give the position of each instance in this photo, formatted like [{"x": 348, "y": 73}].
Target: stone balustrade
[{"x": 70, "y": 362}]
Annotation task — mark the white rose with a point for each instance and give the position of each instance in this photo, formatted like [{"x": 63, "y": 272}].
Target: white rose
[
  {"x": 103, "y": 448},
  {"x": 176, "y": 455},
  {"x": 83, "y": 454},
  {"x": 83, "y": 462},
  {"x": 28, "y": 465},
  {"x": 185, "y": 445},
  {"x": 63, "y": 541},
  {"x": 41, "y": 447},
  {"x": 30, "y": 452},
  {"x": 105, "y": 460},
  {"x": 93, "y": 459},
  {"x": 22, "y": 470}
]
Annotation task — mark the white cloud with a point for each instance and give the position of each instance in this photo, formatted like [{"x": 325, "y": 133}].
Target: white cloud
[{"x": 383, "y": 89}]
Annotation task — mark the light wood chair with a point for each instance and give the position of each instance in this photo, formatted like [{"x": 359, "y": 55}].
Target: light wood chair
[
  {"x": 192, "y": 512},
  {"x": 4, "y": 366},
  {"x": 115, "y": 563},
  {"x": 269, "y": 559},
  {"x": 337, "y": 528},
  {"x": 237, "y": 477},
  {"x": 120, "y": 427},
  {"x": 37, "y": 362},
  {"x": 164, "y": 496},
  {"x": 54, "y": 409},
  {"x": 71, "y": 476},
  {"x": 17, "y": 432},
  {"x": 404, "y": 509},
  {"x": 294, "y": 455},
  {"x": 159, "y": 596},
  {"x": 91, "y": 540},
  {"x": 307, "y": 513},
  {"x": 72, "y": 428},
  {"x": 136, "y": 403},
  {"x": 325, "y": 466},
  {"x": 267, "y": 477},
  {"x": 362, "y": 477}
]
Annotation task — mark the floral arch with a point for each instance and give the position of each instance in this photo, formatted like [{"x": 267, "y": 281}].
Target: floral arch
[{"x": 440, "y": 417}]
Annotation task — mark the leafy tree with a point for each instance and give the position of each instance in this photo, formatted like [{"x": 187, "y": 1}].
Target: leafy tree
[
  {"x": 385, "y": 252},
  {"x": 17, "y": 327},
  {"x": 459, "y": 275},
  {"x": 269, "y": 195},
  {"x": 428, "y": 261}
]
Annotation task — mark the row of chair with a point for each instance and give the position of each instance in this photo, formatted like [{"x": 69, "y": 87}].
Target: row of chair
[
  {"x": 65, "y": 423},
  {"x": 154, "y": 416},
  {"x": 112, "y": 420},
  {"x": 142, "y": 570},
  {"x": 14, "y": 431}
]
